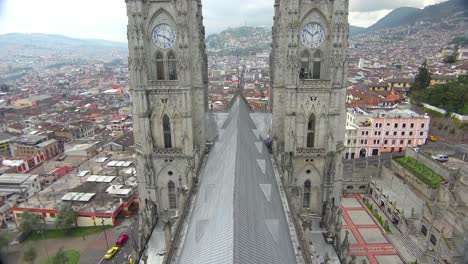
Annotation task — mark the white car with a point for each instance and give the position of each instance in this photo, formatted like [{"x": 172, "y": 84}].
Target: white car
[{"x": 440, "y": 157}]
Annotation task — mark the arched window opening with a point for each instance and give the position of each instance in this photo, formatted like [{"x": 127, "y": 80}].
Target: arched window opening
[
  {"x": 305, "y": 66},
  {"x": 317, "y": 65},
  {"x": 172, "y": 195},
  {"x": 167, "y": 132},
  {"x": 160, "y": 67},
  {"x": 306, "y": 198},
  {"x": 311, "y": 131},
  {"x": 172, "y": 66}
]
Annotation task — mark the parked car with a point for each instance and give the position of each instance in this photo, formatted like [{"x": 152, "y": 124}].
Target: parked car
[
  {"x": 121, "y": 240},
  {"x": 432, "y": 138},
  {"x": 440, "y": 157},
  {"x": 111, "y": 252}
]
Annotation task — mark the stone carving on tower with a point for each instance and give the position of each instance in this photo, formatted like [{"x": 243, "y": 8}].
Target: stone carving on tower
[
  {"x": 309, "y": 71},
  {"x": 168, "y": 81}
]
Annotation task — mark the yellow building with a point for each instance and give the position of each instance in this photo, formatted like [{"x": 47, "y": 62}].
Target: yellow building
[{"x": 442, "y": 79}]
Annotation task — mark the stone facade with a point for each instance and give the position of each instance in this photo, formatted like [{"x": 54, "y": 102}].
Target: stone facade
[
  {"x": 308, "y": 100},
  {"x": 168, "y": 78}
]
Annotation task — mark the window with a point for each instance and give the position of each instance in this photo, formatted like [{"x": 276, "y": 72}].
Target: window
[
  {"x": 396, "y": 125},
  {"x": 317, "y": 65},
  {"x": 160, "y": 66},
  {"x": 421, "y": 133},
  {"x": 404, "y": 125},
  {"x": 433, "y": 240},
  {"x": 393, "y": 142},
  {"x": 412, "y": 125},
  {"x": 305, "y": 61},
  {"x": 386, "y": 141},
  {"x": 394, "y": 133},
  {"x": 172, "y": 195},
  {"x": 311, "y": 131},
  {"x": 411, "y": 133},
  {"x": 388, "y": 124},
  {"x": 387, "y": 133},
  {"x": 422, "y": 125},
  {"x": 172, "y": 66},
  {"x": 306, "y": 198},
  {"x": 409, "y": 142},
  {"x": 403, "y": 133},
  {"x": 401, "y": 142},
  {"x": 167, "y": 132}
]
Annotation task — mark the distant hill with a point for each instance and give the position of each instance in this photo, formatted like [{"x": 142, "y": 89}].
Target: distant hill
[
  {"x": 353, "y": 30},
  {"x": 408, "y": 15},
  {"x": 45, "y": 44},
  {"x": 239, "y": 41},
  {"x": 398, "y": 17}
]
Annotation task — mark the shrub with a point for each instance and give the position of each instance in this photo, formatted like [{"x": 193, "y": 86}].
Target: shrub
[{"x": 423, "y": 173}]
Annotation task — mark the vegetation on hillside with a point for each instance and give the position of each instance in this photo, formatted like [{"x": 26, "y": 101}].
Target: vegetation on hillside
[
  {"x": 241, "y": 41},
  {"x": 452, "y": 97}
]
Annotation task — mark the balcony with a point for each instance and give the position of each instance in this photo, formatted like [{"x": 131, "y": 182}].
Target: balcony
[
  {"x": 310, "y": 152},
  {"x": 168, "y": 152},
  {"x": 314, "y": 84},
  {"x": 163, "y": 84}
]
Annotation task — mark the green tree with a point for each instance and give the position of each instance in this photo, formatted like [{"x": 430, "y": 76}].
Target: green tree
[
  {"x": 4, "y": 88},
  {"x": 59, "y": 257},
  {"x": 30, "y": 254},
  {"x": 65, "y": 217},
  {"x": 423, "y": 78},
  {"x": 28, "y": 222},
  {"x": 4, "y": 241},
  {"x": 452, "y": 58}
]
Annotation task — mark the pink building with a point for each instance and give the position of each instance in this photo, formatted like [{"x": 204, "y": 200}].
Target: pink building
[{"x": 369, "y": 133}]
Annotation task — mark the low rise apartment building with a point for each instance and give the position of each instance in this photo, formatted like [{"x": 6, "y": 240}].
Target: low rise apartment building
[{"x": 369, "y": 133}]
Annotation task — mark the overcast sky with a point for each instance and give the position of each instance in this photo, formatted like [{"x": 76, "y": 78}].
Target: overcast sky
[{"x": 107, "y": 19}]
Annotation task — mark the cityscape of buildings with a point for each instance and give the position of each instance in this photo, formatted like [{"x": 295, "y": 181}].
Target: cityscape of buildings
[{"x": 67, "y": 137}]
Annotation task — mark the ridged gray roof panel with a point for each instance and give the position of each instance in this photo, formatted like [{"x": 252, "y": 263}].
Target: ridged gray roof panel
[{"x": 238, "y": 216}]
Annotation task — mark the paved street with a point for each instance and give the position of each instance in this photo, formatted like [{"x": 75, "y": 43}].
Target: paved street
[{"x": 128, "y": 226}]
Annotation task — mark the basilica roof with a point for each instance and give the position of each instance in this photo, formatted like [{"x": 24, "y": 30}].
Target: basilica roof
[{"x": 238, "y": 215}]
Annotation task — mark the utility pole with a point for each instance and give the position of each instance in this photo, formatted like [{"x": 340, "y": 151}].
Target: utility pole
[{"x": 105, "y": 233}]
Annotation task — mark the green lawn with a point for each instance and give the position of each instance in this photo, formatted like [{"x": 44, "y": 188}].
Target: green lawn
[
  {"x": 423, "y": 173},
  {"x": 77, "y": 232},
  {"x": 73, "y": 256}
]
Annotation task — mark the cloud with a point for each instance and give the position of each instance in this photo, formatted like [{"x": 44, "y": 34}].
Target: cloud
[
  {"x": 219, "y": 15},
  {"x": 366, "y": 19},
  {"x": 107, "y": 19},
  {"x": 376, "y": 5}
]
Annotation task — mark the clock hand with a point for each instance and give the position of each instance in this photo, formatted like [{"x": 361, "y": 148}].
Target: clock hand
[
  {"x": 164, "y": 37},
  {"x": 311, "y": 34}
]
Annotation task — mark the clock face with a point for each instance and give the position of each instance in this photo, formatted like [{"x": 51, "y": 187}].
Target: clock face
[
  {"x": 164, "y": 36},
  {"x": 312, "y": 35}
]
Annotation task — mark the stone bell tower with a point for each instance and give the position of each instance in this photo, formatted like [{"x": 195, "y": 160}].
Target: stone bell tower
[
  {"x": 168, "y": 78},
  {"x": 309, "y": 72}
]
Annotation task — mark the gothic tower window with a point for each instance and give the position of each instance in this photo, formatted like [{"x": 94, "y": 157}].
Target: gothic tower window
[
  {"x": 167, "y": 132},
  {"x": 306, "y": 198},
  {"x": 311, "y": 131},
  {"x": 171, "y": 192},
  {"x": 172, "y": 66},
  {"x": 160, "y": 66},
  {"x": 317, "y": 65},
  {"x": 305, "y": 63}
]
